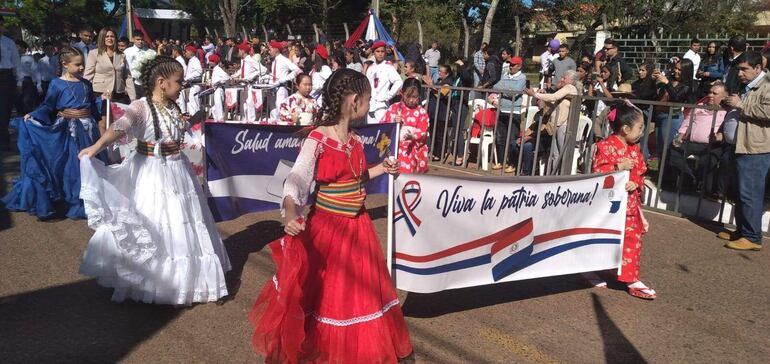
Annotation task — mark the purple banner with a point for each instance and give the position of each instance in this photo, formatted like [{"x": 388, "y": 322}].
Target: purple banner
[{"x": 247, "y": 164}]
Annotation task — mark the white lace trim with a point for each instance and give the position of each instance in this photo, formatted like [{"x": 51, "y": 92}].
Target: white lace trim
[{"x": 356, "y": 320}]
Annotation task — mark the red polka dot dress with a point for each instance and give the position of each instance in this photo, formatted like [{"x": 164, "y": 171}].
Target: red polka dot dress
[{"x": 412, "y": 145}]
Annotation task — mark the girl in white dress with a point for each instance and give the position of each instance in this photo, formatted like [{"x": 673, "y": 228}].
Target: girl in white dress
[{"x": 155, "y": 239}]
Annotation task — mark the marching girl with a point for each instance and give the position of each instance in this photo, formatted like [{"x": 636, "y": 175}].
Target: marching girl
[
  {"x": 414, "y": 120},
  {"x": 49, "y": 140},
  {"x": 621, "y": 152},
  {"x": 155, "y": 240},
  {"x": 331, "y": 299},
  {"x": 299, "y": 108}
]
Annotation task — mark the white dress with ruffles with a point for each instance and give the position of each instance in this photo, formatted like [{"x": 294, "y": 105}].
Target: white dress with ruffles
[{"x": 155, "y": 239}]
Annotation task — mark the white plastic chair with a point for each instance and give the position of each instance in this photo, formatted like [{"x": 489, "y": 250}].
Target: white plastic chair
[{"x": 486, "y": 137}]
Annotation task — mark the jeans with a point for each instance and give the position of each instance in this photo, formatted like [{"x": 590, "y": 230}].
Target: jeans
[
  {"x": 527, "y": 157},
  {"x": 664, "y": 135},
  {"x": 752, "y": 171},
  {"x": 434, "y": 74},
  {"x": 501, "y": 131}
]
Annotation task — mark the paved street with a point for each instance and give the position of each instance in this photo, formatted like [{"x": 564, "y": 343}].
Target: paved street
[{"x": 713, "y": 305}]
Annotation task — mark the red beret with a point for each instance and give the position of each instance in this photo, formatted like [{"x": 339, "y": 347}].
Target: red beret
[
  {"x": 214, "y": 58},
  {"x": 322, "y": 51},
  {"x": 376, "y": 45},
  {"x": 277, "y": 44},
  {"x": 190, "y": 48},
  {"x": 244, "y": 47},
  {"x": 516, "y": 60}
]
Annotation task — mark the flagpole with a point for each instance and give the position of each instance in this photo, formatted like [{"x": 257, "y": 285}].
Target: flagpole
[
  {"x": 129, "y": 21},
  {"x": 390, "y": 236}
]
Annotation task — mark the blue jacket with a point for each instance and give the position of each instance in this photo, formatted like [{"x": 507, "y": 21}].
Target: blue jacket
[{"x": 715, "y": 70}]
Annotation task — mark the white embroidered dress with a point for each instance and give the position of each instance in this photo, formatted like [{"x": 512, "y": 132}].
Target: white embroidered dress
[{"x": 155, "y": 239}]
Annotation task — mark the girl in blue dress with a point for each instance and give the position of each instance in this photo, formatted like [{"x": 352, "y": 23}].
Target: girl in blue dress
[{"x": 49, "y": 140}]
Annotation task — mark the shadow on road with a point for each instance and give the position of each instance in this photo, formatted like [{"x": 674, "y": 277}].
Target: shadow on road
[
  {"x": 75, "y": 322},
  {"x": 426, "y": 305},
  {"x": 617, "y": 347},
  {"x": 251, "y": 240}
]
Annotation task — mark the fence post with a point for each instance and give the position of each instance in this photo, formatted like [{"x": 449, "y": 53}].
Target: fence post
[{"x": 568, "y": 149}]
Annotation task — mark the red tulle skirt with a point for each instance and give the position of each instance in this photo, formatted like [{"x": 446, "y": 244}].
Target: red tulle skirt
[{"x": 331, "y": 299}]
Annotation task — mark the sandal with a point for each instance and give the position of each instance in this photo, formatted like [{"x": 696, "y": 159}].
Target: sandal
[
  {"x": 595, "y": 280},
  {"x": 645, "y": 293}
]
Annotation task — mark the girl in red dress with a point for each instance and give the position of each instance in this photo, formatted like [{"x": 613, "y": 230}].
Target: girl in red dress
[
  {"x": 331, "y": 298},
  {"x": 412, "y": 147},
  {"x": 620, "y": 152}
]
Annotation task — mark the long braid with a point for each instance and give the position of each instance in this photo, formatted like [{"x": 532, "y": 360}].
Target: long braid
[{"x": 160, "y": 66}]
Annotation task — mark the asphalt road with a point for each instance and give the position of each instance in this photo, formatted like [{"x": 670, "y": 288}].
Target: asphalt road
[{"x": 713, "y": 306}]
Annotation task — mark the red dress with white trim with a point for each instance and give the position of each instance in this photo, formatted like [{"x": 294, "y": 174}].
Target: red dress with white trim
[
  {"x": 331, "y": 298},
  {"x": 609, "y": 153},
  {"x": 412, "y": 154}
]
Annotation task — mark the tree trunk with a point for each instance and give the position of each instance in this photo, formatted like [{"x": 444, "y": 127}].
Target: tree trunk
[
  {"x": 488, "y": 21},
  {"x": 229, "y": 10},
  {"x": 466, "y": 32}
]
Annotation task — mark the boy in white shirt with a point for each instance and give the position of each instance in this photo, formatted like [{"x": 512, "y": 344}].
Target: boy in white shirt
[
  {"x": 283, "y": 72},
  {"x": 385, "y": 82},
  {"x": 192, "y": 77}
]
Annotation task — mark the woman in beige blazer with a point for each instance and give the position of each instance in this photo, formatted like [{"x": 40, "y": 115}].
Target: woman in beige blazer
[{"x": 107, "y": 70}]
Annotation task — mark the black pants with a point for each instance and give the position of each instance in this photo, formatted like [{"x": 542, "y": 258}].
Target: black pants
[
  {"x": 502, "y": 138},
  {"x": 44, "y": 85},
  {"x": 27, "y": 101},
  {"x": 8, "y": 92},
  {"x": 708, "y": 159},
  {"x": 728, "y": 181}
]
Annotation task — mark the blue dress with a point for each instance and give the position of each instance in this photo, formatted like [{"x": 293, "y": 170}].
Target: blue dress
[{"x": 49, "y": 147}]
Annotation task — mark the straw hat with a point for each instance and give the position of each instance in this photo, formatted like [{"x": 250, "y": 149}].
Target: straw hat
[{"x": 624, "y": 89}]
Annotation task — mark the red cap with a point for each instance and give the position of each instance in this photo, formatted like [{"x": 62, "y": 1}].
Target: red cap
[
  {"x": 277, "y": 44},
  {"x": 191, "y": 48},
  {"x": 516, "y": 60},
  {"x": 376, "y": 45},
  {"x": 244, "y": 47},
  {"x": 214, "y": 58},
  {"x": 322, "y": 51}
]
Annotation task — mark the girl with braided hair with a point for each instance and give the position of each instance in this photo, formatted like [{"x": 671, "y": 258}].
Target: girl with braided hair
[
  {"x": 621, "y": 152},
  {"x": 49, "y": 140},
  {"x": 331, "y": 299},
  {"x": 155, "y": 240}
]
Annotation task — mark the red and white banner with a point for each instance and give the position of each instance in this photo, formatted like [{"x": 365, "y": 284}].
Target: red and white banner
[{"x": 454, "y": 232}]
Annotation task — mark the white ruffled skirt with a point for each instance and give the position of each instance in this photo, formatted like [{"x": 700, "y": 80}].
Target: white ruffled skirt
[{"x": 155, "y": 240}]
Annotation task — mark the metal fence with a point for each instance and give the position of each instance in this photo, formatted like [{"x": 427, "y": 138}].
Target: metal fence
[
  {"x": 461, "y": 127},
  {"x": 640, "y": 49},
  {"x": 706, "y": 194}
]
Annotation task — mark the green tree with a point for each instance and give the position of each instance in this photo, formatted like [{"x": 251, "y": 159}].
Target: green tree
[{"x": 55, "y": 18}]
